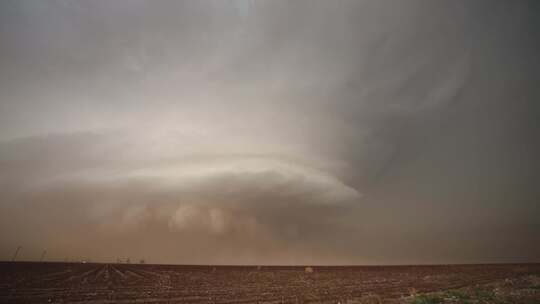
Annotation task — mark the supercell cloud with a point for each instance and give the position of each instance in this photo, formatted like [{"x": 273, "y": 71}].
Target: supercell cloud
[{"x": 270, "y": 132}]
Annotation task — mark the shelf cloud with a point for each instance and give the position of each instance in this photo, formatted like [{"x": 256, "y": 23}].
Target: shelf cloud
[{"x": 279, "y": 132}]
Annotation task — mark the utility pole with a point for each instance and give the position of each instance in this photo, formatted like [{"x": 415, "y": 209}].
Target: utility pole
[
  {"x": 43, "y": 255},
  {"x": 16, "y": 253}
]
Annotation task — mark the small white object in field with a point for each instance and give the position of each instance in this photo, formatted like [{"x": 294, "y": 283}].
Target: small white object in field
[{"x": 308, "y": 270}]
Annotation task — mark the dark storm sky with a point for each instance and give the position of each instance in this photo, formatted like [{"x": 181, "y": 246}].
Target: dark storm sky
[{"x": 273, "y": 132}]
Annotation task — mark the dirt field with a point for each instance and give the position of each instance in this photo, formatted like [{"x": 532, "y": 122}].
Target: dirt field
[{"x": 129, "y": 283}]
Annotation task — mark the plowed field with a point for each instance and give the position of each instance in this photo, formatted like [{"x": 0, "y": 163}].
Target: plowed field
[{"x": 26, "y": 282}]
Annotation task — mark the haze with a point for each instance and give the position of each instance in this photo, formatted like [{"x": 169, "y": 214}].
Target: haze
[{"x": 270, "y": 132}]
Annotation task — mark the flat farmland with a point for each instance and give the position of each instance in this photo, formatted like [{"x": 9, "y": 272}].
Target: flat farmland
[{"x": 28, "y": 282}]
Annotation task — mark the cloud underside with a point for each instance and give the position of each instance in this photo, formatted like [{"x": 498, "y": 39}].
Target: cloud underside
[{"x": 252, "y": 205}]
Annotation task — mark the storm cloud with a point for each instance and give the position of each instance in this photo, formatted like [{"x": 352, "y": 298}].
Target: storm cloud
[{"x": 273, "y": 132}]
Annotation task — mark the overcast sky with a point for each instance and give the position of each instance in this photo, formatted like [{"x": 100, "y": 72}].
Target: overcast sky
[{"x": 270, "y": 132}]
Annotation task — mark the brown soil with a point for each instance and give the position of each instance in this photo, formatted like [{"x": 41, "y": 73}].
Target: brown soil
[{"x": 26, "y": 282}]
